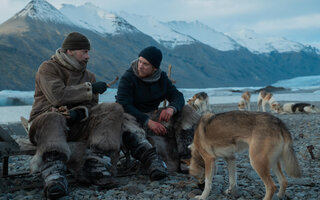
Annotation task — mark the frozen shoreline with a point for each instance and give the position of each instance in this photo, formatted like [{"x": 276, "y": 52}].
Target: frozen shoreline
[{"x": 11, "y": 114}]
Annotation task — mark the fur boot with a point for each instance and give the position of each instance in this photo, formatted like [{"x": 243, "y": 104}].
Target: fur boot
[
  {"x": 98, "y": 169},
  {"x": 53, "y": 172}
]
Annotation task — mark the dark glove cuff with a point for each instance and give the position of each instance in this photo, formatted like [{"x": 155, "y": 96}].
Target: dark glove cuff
[
  {"x": 99, "y": 87},
  {"x": 76, "y": 115}
]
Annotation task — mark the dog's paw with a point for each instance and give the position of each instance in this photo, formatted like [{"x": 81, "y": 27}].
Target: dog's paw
[
  {"x": 232, "y": 191},
  {"x": 199, "y": 197},
  {"x": 227, "y": 191}
]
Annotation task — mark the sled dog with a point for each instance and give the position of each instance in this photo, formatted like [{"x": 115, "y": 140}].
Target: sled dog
[
  {"x": 200, "y": 102},
  {"x": 266, "y": 137},
  {"x": 265, "y": 98},
  {"x": 299, "y": 108},
  {"x": 245, "y": 101}
]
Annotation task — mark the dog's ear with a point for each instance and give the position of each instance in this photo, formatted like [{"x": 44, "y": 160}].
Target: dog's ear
[{"x": 186, "y": 161}]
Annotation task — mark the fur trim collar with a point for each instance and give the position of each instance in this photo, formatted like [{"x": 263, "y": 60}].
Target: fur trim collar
[{"x": 68, "y": 61}]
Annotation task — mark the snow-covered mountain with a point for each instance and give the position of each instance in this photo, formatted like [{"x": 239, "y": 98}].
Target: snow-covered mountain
[
  {"x": 205, "y": 34},
  {"x": 96, "y": 19},
  {"x": 91, "y": 17},
  {"x": 159, "y": 31},
  {"x": 43, "y": 11},
  {"x": 169, "y": 34},
  {"x": 260, "y": 44},
  {"x": 202, "y": 57},
  {"x": 315, "y": 45},
  {"x": 174, "y": 33}
]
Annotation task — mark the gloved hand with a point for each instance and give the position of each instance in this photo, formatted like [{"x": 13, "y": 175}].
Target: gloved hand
[
  {"x": 76, "y": 115},
  {"x": 99, "y": 87}
]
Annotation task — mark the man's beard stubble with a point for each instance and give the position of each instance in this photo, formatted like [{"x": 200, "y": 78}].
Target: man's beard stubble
[{"x": 83, "y": 63}]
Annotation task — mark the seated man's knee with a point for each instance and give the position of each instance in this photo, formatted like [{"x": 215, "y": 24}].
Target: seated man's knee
[
  {"x": 51, "y": 117},
  {"x": 108, "y": 107},
  {"x": 132, "y": 141}
]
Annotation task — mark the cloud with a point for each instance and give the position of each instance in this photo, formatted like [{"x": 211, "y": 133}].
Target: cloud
[
  {"x": 226, "y": 8},
  {"x": 293, "y": 23},
  {"x": 10, "y": 7}
]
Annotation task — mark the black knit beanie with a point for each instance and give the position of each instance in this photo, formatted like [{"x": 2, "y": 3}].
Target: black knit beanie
[
  {"x": 76, "y": 41},
  {"x": 153, "y": 55}
]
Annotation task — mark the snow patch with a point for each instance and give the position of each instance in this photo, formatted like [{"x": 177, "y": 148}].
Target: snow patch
[
  {"x": 43, "y": 11},
  {"x": 91, "y": 17},
  {"x": 205, "y": 34},
  {"x": 260, "y": 44},
  {"x": 159, "y": 31}
]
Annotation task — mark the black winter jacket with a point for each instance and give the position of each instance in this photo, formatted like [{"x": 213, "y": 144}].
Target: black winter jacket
[{"x": 139, "y": 97}]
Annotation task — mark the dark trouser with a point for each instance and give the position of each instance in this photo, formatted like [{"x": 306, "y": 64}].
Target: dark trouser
[{"x": 136, "y": 145}]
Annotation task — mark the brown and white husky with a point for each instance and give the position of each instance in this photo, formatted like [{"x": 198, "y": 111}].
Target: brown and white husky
[
  {"x": 245, "y": 101},
  {"x": 267, "y": 98},
  {"x": 268, "y": 141},
  {"x": 200, "y": 102}
]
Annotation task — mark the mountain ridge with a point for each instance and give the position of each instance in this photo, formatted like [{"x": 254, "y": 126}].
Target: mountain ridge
[{"x": 25, "y": 42}]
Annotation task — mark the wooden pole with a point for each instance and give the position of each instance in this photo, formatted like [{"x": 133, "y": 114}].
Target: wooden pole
[{"x": 169, "y": 76}]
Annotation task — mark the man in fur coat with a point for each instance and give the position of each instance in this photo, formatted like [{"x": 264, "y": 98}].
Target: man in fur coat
[
  {"x": 67, "y": 124},
  {"x": 141, "y": 89}
]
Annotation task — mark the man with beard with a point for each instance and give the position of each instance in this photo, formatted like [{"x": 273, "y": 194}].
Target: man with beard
[
  {"x": 68, "y": 126},
  {"x": 140, "y": 91}
]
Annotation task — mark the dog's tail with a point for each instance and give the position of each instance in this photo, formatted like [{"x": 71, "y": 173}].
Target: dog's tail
[{"x": 290, "y": 160}]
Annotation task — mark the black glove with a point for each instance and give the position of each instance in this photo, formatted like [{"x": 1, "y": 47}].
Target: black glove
[
  {"x": 76, "y": 115},
  {"x": 99, "y": 87}
]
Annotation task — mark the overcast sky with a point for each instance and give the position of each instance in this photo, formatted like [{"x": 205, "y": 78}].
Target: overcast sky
[{"x": 297, "y": 20}]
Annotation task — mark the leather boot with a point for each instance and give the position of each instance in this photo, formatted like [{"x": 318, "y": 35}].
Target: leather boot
[
  {"x": 156, "y": 168},
  {"x": 53, "y": 173},
  {"x": 143, "y": 151}
]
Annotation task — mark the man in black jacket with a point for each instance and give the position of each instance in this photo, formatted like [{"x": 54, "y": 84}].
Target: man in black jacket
[{"x": 142, "y": 87}]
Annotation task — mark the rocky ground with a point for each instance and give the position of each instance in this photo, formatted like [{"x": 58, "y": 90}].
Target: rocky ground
[{"x": 305, "y": 130}]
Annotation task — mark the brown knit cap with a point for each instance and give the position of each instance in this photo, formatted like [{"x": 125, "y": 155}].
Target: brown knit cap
[{"x": 76, "y": 41}]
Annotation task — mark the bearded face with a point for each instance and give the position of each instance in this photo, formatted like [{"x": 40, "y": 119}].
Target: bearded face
[{"x": 82, "y": 56}]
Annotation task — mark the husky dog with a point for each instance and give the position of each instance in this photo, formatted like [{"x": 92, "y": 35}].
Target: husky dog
[
  {"x": 266, "y": 137},
  {"x": 299, "y": 108},
  {"x": 200, "y": 102},
  {"x": 245, "y": 101},
  {"x": 265, "y": 98}
]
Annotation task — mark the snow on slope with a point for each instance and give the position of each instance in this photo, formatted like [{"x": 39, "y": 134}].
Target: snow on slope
[
  {"x": 157, "y": 30},
  {"x": 96, "y": 19},
  {"x": 205, "y": 34},
  {"x": 261, "y": 44},
  {"x": 44, "y": 11}
]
